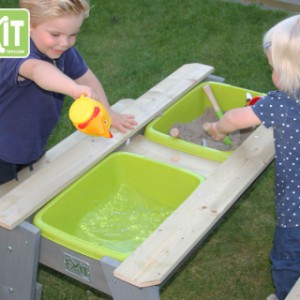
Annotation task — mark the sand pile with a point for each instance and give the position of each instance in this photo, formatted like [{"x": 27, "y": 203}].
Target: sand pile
[{"x": 193, "y": 132}]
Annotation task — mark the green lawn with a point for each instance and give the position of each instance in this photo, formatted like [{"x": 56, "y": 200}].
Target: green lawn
[{"x": 131, "y": 45}]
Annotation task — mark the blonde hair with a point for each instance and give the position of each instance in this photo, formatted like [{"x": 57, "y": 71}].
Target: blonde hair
[
  {"x": 44, "y": 9},
  {"x": 283, "y": 43}
]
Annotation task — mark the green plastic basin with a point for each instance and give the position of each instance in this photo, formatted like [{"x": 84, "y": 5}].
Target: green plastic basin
[
  {"x": 188, "y": 108},
  {"x": 116, "y": 205}
]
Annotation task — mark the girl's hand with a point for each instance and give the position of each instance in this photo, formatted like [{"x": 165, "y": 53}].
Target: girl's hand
[
  {"x": 122, "y": 122},
  {"x": 211, "y": 129}
]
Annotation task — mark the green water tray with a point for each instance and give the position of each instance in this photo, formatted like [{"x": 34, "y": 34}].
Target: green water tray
[{"x": 116, "y": 205}]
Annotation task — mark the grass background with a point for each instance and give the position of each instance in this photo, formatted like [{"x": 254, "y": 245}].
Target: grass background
[{"x": 131, "y": 45}]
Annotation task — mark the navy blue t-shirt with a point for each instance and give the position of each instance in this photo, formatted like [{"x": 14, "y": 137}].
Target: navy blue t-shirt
[
  {"x": 28, "y": 114},
  {"x": 282, "y": 112}
]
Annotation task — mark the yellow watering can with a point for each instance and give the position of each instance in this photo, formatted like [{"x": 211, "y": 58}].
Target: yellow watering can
[{"x": 91, "y": 117}]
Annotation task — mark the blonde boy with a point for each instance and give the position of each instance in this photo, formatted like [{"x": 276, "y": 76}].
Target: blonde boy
[{"x": 32, "y": 89}]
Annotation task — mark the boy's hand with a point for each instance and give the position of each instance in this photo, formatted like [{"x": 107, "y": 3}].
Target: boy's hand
[
  {"x": 84, "y": 90},
  {"x": 211, "y": 129},
  {"x": 122, "y": 122}
]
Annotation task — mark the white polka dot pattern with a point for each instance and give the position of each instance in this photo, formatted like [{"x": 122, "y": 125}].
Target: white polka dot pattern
[{"x": 282, "y": 112}]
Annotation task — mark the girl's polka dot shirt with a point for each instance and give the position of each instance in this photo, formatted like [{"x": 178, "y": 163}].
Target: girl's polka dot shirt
[{"x": 282, "y": 112}]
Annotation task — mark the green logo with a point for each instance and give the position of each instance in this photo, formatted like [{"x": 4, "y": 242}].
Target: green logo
[{"x": 14, "y": 33}]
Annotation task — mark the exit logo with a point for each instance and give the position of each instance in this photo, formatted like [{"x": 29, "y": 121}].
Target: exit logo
[
  {"x": 14, "y": 33},
  {"x": 77, "y": 267}
]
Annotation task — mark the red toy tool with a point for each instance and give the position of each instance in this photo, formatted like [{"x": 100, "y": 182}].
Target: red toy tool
[{"x": 252, "y": 100}]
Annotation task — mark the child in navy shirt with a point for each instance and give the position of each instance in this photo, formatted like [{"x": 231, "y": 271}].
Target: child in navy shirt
[
  {"x": 281, "y": 111},
  {"x": 32, "y": 89}
]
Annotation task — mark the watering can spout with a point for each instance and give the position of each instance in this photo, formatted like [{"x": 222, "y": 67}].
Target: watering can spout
[
  {"x": 107, "y": 134},
  {"x": 90, "y": 117},
  {"x": 110, "y": 135}
]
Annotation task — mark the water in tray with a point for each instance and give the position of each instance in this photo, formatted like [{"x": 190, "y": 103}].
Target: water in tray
[{"x": 123, "y": 222}]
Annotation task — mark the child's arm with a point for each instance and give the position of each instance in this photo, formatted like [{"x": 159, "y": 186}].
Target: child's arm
[
  {"x": 232, "y": 120},
  {"x": 119, "y": 121},
  {"x": 48, "y": 77}
]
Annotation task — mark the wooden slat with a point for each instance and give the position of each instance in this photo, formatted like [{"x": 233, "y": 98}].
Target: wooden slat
[
  {"x": 142, "y": 146},
  {"x": 31, "y": 194},
  {"x": 159, "y": 255},
  {"x": 294, "y": 294},
  {"x": 50, "y": 156}
]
